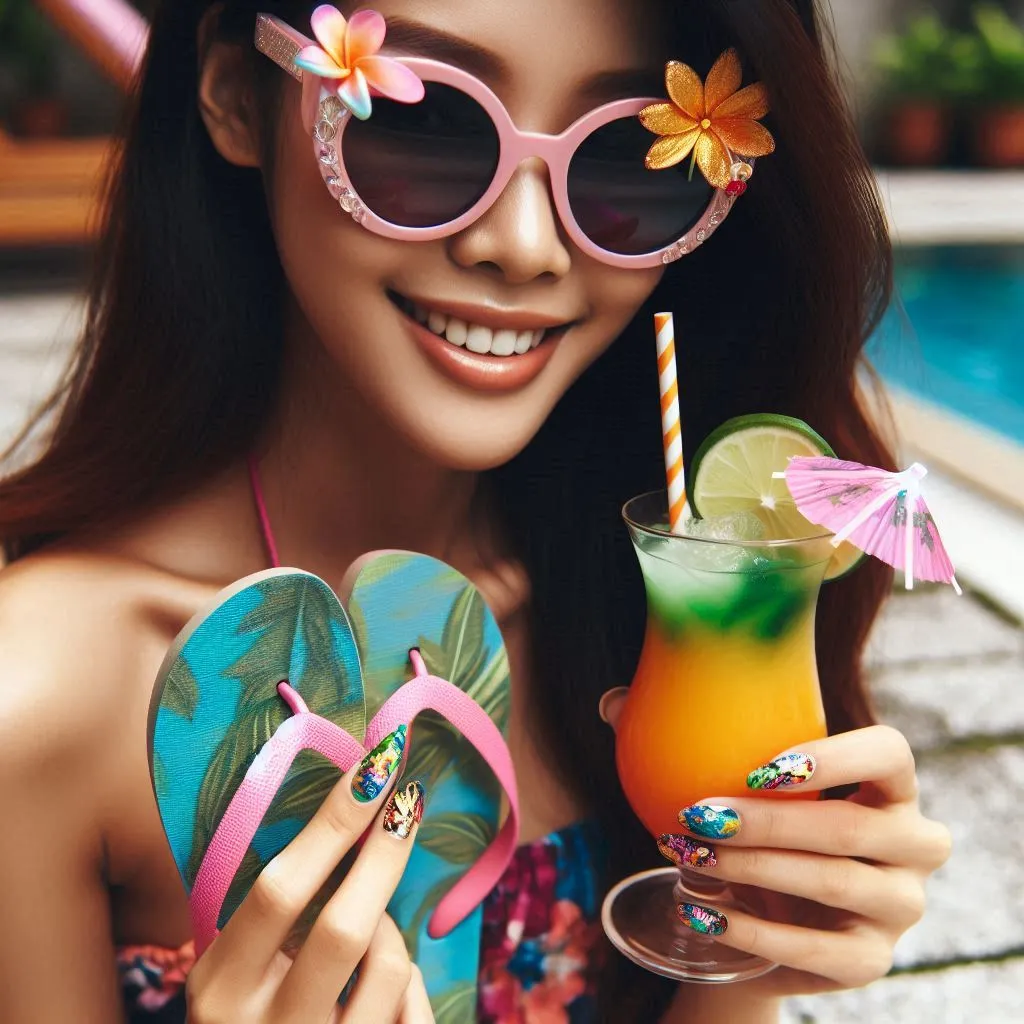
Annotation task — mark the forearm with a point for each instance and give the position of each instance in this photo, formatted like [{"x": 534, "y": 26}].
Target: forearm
[{"x": 739, "y": 1003}]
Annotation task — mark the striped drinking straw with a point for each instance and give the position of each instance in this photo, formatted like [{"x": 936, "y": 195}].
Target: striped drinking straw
[{"x": 671, "y": 434}]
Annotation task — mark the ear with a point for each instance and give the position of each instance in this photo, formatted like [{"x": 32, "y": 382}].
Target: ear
[{"x": 225, "y": 96}]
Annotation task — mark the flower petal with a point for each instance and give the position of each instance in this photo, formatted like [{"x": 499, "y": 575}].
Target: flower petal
[
  {"x": 671, "y": 149},
  {"x": 745, "y": 137},
  {"x": 318, "y": 62},
  {"x": 713, "y": 160},
  {"x": 751, "y": 102},
  {"x": 330, "y": 29},
  {"x": 723, "y": 80},
  {"x": 365, "y": 35},
  {"x": 392, "y": 79},
  {"x": 355, "y": 94},
  {"x": 685, "y": 89},
  {"x": 666, "y": 119}
]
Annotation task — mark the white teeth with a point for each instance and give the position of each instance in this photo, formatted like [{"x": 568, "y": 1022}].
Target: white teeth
[
  {"x": 475, "y": 337},
  {"x": 479, "y": 339},
  {"x": 503, "y": 343},
  {"x": 456, "y": 331}
]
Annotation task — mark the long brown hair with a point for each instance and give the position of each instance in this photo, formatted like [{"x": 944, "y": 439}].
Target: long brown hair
[{"x": 178, "y": 364}]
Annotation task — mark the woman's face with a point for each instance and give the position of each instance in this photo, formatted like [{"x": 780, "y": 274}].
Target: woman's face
[{"x": 513, "y": 270}]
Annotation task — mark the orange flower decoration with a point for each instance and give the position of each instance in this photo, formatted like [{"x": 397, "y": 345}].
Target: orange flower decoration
[{"x": 713, "y": 122}]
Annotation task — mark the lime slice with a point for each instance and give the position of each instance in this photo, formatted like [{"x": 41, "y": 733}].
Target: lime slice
[{"x": 732, "y": 472}]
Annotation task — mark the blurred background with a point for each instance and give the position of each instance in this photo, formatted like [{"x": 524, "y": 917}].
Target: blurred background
[{"x": 938, "y": 92}]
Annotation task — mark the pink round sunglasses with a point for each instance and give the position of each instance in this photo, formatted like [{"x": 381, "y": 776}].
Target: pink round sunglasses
[{"x": 357, "y": 187}]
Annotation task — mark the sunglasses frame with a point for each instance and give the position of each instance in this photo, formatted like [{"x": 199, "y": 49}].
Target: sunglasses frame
[{"x": 326, "y": 118}]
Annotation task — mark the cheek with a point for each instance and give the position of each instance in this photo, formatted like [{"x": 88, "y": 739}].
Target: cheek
[{"x": 616, "y": 295}]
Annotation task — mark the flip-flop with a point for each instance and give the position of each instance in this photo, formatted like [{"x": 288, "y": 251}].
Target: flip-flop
[{"x": 219, "y": 703}]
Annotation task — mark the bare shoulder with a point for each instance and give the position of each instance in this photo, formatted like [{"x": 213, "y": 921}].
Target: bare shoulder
[{"x": 77, "y": 630}]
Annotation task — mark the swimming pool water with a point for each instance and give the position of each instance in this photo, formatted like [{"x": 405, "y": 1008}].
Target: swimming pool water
[{"x": 955, "y": 334}]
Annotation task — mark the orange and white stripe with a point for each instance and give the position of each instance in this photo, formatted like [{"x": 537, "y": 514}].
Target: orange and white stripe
[{"x": 671, "y": 434}]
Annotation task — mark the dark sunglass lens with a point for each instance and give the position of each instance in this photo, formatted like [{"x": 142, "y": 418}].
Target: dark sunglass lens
[
  {"x": 623, "y": 207},
  {"x": 422, "y": 164}
]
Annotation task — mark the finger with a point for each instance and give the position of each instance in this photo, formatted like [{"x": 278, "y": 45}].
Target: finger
[
  {"x": 893, "y": 895},
  {"x": 348, "y": 921},
  {"x": 286, "y": 885},
  {"x": 416, "y": 1009},
  {"x": 384, "y": 976},
  {"x": 840, "y": 828},
  {"x": 610, "y": 705},
  {"x": 851, "y": 958},
  {"x": 879, "y": 756}
]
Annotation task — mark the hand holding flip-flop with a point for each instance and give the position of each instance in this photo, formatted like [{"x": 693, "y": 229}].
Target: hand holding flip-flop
[{"x": 244, "y": 975}]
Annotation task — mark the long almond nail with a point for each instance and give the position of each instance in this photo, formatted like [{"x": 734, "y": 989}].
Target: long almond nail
[
  {"x": 710, "y": 821},
  {"x": 782, "y": 773},
  {"x": 404, "y": 810},
  {"x": 376, "y": 769},
  {"x": 686, "y": 852},
  {"x": 703, "y": 919}
]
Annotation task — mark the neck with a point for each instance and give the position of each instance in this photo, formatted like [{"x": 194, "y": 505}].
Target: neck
[{"x": 339, "y": 481}]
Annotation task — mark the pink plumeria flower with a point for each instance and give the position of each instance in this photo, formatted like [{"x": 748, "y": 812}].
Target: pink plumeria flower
[{"x": 348, "y": 52}]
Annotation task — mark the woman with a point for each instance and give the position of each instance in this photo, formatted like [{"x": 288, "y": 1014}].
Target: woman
[{"x": 236, "y": 312}]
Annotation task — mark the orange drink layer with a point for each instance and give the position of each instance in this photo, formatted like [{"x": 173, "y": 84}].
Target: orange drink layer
[{"x": 727, "y": 679}]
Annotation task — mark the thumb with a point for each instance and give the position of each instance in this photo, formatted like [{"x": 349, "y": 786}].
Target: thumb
[{"x": 610, "y": 705}]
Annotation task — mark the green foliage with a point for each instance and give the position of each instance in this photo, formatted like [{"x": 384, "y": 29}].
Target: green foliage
[
  {"x": 1001, "y": 46},
  {"x": 457, "y": 1005},
  {"x": 929, "y": 61},
  {"x": 456, "y": 838}
]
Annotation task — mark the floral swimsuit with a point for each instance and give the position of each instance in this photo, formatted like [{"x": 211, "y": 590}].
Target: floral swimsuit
[{"x": 539, "y": 953}]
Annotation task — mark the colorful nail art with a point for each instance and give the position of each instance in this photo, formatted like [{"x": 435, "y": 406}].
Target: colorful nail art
[
  {"x": 404, "y": 810},
  {"x": 710, "y": 821},
  {"x": 702, "y": 919},
  {"x": 782, "y": 773},
  {"x": 686, "y": 852},
  {"x": 378, "y": 766}
]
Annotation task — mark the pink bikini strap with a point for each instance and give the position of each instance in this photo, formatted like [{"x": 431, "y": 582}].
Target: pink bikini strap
[{"x": 261, "y": 511}]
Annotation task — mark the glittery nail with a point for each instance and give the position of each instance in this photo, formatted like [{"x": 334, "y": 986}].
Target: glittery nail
[
  {"x": 404, "y": 810},
  {"x": 378, "y": 766},
  {"x": 710, "y": 821},
  {"x": 686, "y": 852},
  {"x": 702, "y": 919},
  {"x": 782, "y": 773}
]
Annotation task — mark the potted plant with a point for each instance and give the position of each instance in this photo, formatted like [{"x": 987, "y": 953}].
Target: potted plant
[
  {"x": 28, "y": 49},
  {"x": 926, "y": 71},
  {"x": 998, "y": 135}
]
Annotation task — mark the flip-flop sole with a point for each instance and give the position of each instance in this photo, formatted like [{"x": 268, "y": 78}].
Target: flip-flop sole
[{"x": 401, "y": 600}]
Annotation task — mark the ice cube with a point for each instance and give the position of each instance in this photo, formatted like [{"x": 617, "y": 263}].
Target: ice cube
[{"x": 735, "y": 526}]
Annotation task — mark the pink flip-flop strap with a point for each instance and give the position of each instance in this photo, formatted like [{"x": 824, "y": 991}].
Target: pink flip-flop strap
[
  {"x": 427, "y": 692},
  {"x": 306, "y": 731},
  {"x": 249, "y": 805}
]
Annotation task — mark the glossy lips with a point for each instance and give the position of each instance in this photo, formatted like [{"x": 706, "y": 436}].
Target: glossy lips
[
  {"x": 710, "y": 821},
  {"x": 782, "y": 773},
  {"x": 702, "y": 919},
  {"x": 404, "y": 810},
  {"x": 376, "y": 769},
  {"x": 685, "y": 852}
]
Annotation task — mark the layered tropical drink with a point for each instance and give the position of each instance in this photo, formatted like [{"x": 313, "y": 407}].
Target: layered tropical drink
[{"x": 728, "y": 677}]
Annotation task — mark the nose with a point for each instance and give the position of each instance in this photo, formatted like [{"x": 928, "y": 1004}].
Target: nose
[{"x": 520, "y": 236}]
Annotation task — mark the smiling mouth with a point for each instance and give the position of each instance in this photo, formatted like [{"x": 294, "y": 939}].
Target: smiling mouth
[{"x": 476, "y": 338}]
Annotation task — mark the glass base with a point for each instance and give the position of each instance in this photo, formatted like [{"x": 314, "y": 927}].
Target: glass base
[{"x": 639, "y": 917}]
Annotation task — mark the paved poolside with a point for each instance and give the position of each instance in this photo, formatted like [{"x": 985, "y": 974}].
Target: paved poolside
[{"x": 948, "y": 671}]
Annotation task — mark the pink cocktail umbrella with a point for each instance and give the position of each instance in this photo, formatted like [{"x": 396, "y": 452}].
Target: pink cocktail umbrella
[{"x": 882, "y": 513}]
